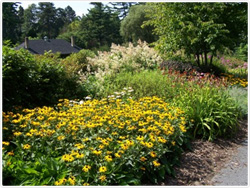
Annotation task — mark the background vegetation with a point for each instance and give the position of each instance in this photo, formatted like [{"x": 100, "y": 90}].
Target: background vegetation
[{"x": 120, "y": 111}]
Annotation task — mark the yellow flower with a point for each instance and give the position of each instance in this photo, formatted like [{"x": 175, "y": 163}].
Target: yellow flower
[
  {"x": 85, "y": 139},
  {"x": 101, "y": 146},
  {"x": 29, "y": 134},
  {"x": 11, "y": 153},
  {"x": 26, "y": 146},
  {"x": 17, "y": 133},
  {"x": 142, "y": 168},
  {"x": 67, "y": 158},
  {"x": 143, "y": 159},
  {"x": 162, "y": 140},
  {"x": 97, "y": 152},
  {"x": 124, "y": 146},
  {"x": 71, "y": 180},
  {"x": 5, "y": 143},
  {"x": 139, "y": 138},
  {"x": 86, "y": 168},
  {"x": 103, "y": 169},
  {"x": 117, "y": 155},
  {"x": 156, "y": 163},
  {"x": 108, "y": 158},
  {"x": 60, "y": 137},
  {"x": 173, "y": 143},
  {"x": 102, "y": 178},
  {"x": 79, "y": 146},
  {"x": 79, "y": 156},
  {"x": 153, "y": 154},
  {"x": 149, "y": 144},
  {"x": 40, "y": 118},
  {"x": 183, "y": 129},
  {"x": 86, "y": 184}
]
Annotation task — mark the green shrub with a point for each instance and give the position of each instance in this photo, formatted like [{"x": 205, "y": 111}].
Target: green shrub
[
  {"x": 241, "y": 52},
  {"x": 144, "y": 83},
  {"x": 19, "y": 71},
  {"x": 77, "y": 62},
  {"x": 31, "y": 81}
]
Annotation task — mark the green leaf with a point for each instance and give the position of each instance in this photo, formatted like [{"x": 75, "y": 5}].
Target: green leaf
[
  {"x": 31, "y": 171},
  {"x": 162, "y": 173}
]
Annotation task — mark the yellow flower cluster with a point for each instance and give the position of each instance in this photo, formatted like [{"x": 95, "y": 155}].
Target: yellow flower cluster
[
  {"x": 71, "y": 180},
  {"x": 97, "y": 136},
  {"x": 235, "y": 81}
]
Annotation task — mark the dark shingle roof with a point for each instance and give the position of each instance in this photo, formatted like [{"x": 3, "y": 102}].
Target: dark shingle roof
[{"x": 55, "y": 45}]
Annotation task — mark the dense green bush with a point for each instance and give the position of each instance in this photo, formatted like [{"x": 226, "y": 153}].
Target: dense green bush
[
  {"x": 242, "y": 52},
  {"x": 77, "y": 62},
  {"x": 30, "y": 81}
]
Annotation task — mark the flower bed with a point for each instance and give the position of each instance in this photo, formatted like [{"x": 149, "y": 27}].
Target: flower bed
[{"x": 98, "y": 142}]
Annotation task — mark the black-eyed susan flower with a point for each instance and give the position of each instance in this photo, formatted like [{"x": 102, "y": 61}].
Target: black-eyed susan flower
[
  {"x": 108, "y": 158},
  {"x": 117, "y": 155},
  {"x": 17, "y": 133},
  {"x": 103, "y": 169},
  {"x": 102, "y": 178},
  {"x": 153, "y": 154},
  {"x": 156, "y": 163},
  {"x": 11, "y": 153},
  {"x": 60, "y": 137},
  {"x": 6, "y": 143},
  {"x": 143, "y": 159},
  {"x": 26, "y": 146},
  {"x": 86, "y": 168}
]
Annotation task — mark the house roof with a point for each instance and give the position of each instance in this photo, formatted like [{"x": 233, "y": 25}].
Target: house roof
[{"x": 55, "y": 45}]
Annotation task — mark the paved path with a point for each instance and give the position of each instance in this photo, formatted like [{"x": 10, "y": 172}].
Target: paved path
[{"x": 235, "y": 172}]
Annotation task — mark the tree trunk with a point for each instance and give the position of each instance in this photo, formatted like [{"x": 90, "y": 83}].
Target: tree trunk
[
  {"x": 205, "y": 54},
  {"x": 198, "y": 59},
  {"x": 211, "y": 60}
]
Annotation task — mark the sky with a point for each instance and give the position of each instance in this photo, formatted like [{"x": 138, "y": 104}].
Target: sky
[{"x": 80, "y": 7}]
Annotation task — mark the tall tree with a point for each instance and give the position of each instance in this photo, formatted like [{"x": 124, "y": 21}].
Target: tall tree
[
  {"x": 11, "y": 22},
  {"x": 122, "y": 8},
  {"x": 70, "y": 14},
  {"x": 198, "y": 28},
  {"x": 236, "y": 19},
  {"x": 101, "y": 26},
  {"x": 131, "y": 26},
  {"x": 47, "y": 19},
  {"x": 30, "y": 21}
]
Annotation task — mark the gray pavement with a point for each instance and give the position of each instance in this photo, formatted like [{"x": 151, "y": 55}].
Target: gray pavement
[{"x": 235, "y": 172}]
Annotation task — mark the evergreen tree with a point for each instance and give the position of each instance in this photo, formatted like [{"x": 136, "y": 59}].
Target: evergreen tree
[
  {"x": 101, "y": 26},
  {"x": 47, "y": 20},
  {"x": 30, "y": 25},
  {"x": 11, "y": 22},
  {"x": 122, "y": 8}
]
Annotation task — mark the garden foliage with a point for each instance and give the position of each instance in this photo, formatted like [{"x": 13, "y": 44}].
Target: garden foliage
[
  {"x": 30, "y": 80},
  {"x": 131, "y": 137},
  {"x": 96, "y": 142}
]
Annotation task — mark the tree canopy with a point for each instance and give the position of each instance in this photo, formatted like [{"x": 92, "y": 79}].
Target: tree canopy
[
  {"x": 199, "y": 31},
  {"x": 131, "y": 26}
]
